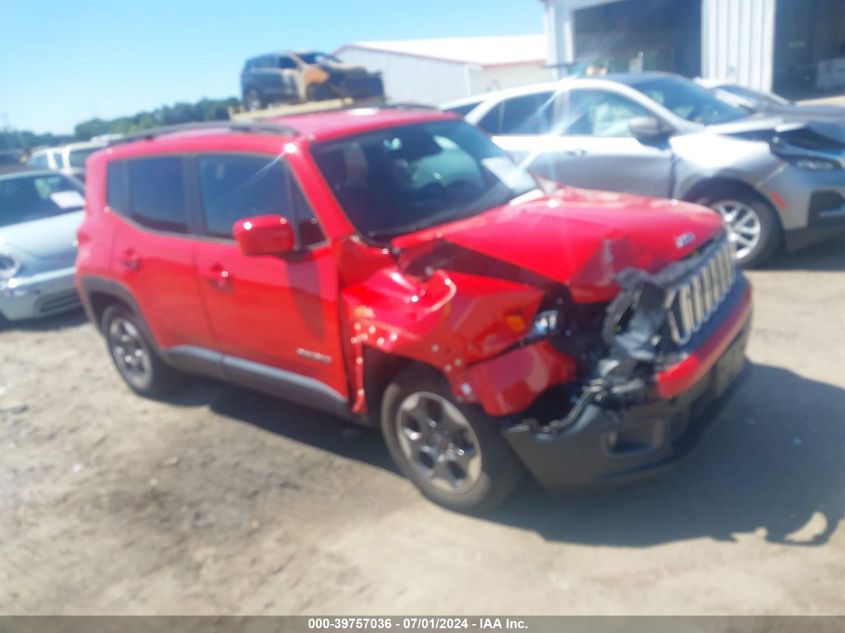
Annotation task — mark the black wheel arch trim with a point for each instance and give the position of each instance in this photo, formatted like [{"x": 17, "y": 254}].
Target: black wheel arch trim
[{"x": 91, "y": 285}]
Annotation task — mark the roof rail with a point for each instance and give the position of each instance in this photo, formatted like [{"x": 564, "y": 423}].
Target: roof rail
[
  {"x": 246, "y": 127},
  {"x": 320, "y": 107}
]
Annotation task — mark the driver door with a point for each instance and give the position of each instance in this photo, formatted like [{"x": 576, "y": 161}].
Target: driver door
[
  {"x": 267, "y": 312},
  {"x": 592, "y": 146}
]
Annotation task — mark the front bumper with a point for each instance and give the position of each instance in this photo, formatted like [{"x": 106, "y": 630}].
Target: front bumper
[
  {"x": 39, "y": 295},
  {"x": 607, "y": 443},
  {"x": 811, "y": 204}
]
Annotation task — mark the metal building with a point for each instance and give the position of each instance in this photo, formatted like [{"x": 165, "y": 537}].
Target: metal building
[
  {"x": 438, "y": 70},
  {"x": 795, "y": 47}
]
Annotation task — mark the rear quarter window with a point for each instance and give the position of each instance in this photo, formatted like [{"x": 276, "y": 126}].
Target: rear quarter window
[{"x": 117, "y": 187}]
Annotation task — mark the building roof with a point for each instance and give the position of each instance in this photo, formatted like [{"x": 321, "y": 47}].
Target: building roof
[{"x": 479, "y": 51}]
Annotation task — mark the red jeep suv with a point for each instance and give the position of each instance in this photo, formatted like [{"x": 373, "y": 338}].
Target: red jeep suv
[{"x": 393, "y": 266}]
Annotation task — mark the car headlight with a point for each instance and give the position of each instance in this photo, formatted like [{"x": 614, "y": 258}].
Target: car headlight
[
  {"x": 9, "y": 265},
  {"x": 814, "y": 164},
  {"x": 546, "y": 323}
]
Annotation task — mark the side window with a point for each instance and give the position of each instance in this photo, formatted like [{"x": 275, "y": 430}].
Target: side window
[
  {"x": 598, "y": 113},
  {"x": 117, "y": 190},
  {"x": 157, "y": 193},
  {"x": 528, "y": 114},
  {"x": 59, "y": 160},
  {"x": 234, "y": 187},
  {"x": 492, "y": 121},
  {"x": 286, "y": 63},
  {"x": 39, "y": 160}
]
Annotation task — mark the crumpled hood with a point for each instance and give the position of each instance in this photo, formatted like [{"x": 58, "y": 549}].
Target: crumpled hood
[
  {"x": 577, "y": 237},
  {"x": 767, "y": 128},
  {"x": 50, "y": 239}
]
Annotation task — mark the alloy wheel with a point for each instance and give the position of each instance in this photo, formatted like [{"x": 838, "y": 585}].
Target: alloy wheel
[
  {"x": 130, "y": 352},
  {"x": 438, "y": 441},
  {"x": 743, "y": 224}
]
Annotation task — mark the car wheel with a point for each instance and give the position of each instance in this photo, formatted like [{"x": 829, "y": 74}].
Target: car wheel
[
  {"x": 752, "y": 225},
  {"x": 253, "y": 100},
  {"x": 134, "y": 356},
  {"x": 455, "y": 454}
]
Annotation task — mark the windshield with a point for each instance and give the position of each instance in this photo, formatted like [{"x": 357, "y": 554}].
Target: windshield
[
  {"x": 404, "y": 179},
  {"x": 78, "y": 156},
  {"x": 27, "y": 198},
  {"x": 757, "y": 99},
  {"x": 318, "y": 58},
  {"x": 689, "y": 101}
]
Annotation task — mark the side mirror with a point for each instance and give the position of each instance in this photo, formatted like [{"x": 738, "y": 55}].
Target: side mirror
[
  {"x": 264, "y": 235},
  {"x": 649, "y": 129}
]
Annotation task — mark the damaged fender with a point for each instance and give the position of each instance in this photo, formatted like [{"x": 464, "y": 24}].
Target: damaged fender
[{"x": 467, "y": 326}]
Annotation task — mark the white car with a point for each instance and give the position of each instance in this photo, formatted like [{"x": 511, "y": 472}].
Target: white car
[{"x": 68, "y": 159}]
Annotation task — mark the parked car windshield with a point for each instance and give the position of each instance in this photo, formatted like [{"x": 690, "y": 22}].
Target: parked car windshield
[
  {"x": 407, "y": 178},
  {"x": 78, "y": 156},
  {"x": 756, "y": 98},
  {"x": 688, "y": 100},
  {"x": 27, "y": 198}
]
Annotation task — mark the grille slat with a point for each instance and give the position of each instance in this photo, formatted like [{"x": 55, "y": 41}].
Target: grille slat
[{"x": 699, "y": 295}]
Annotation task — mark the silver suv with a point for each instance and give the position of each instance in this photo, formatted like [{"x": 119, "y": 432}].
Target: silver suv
[{"x": 774, "y": 182}]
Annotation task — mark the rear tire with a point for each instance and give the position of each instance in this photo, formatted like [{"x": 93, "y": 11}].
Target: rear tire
[
  {"x": 134, "y": 355},
  {"x": 455, "y": 454},
  {"x": 753, "y": 225}
]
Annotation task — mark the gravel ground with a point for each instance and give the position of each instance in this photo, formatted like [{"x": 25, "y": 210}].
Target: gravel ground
[{"x": 222, "y": 501}]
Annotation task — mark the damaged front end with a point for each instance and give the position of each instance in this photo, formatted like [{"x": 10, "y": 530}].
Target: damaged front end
[{"x": 636, "y": 408}]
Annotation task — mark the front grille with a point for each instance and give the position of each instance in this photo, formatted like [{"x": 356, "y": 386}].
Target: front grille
[
  {"x": 58, "y": 302},
  {"x": 699, "y": 294}
]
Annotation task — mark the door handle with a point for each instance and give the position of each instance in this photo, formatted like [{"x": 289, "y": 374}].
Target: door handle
[
  {"x": 575, "y": 152},
  {"x": 219, "y": 278},
  {"x": 129, "y": 260}
]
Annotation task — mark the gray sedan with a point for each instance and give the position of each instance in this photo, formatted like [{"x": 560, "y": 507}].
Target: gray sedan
[
  {"x": 773, "y": 181},
  {"x": 40, "y": 212}
]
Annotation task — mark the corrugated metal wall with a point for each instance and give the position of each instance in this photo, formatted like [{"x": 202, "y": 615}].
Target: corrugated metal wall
[
  {"x": 738, "y": 41},
  {"x": 408, "y": 78}
]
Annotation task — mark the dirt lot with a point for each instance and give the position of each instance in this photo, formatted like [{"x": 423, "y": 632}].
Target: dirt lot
[{"x": 223, "y": 501}]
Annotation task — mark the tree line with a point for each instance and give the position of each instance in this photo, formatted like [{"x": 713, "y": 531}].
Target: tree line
[{"x": 203, "y": 110}]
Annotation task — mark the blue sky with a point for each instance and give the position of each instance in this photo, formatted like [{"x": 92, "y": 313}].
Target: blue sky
[{"x": 64, "y": 61}]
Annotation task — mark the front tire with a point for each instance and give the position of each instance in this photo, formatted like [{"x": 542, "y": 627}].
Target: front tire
[
  {"x": 134, "y": 356},
  {"x": 455, "y": 454},
  {"x": 753, "y": 226}
]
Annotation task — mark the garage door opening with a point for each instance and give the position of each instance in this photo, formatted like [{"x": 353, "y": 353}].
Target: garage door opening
[{"x": 634, "y": 35}]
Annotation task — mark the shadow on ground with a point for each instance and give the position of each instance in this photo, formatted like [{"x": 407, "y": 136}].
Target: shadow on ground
[
  {"x": 73, "y": 318},
  {"x": 824, "y": 256},
  {"x": 773, "y": 462}
]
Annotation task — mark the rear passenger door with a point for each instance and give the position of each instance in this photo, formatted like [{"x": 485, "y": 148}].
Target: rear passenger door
[
  {"x": 153, "y": 251},
  {"x": 277, "y": 312}
]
